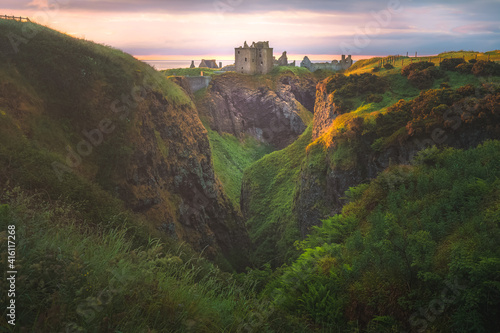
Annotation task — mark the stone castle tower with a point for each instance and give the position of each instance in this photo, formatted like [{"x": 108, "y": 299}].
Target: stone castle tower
[{"x": 254, "y": 59}]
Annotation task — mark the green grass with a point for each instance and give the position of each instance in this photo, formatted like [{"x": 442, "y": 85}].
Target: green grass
[
  {"x": 231, "y": 157},
  {"x": 271, "y": 184},
  {"x": 298, "y": 71},
  {"x": 189, "y": 71},
  {"x": 95, "y": 279}
]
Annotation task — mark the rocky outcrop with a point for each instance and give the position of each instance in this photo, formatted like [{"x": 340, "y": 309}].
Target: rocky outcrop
[
  {"x": 170, "y": 179},
  {"x": 271, "y": 112},
  {"x": 325, "y": 110},
  {"x": 127, "y": 130},
  {"x": 323, "y": 184}
]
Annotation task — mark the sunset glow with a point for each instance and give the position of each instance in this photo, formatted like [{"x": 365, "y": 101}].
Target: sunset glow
[{"x": 211, "y": 29}]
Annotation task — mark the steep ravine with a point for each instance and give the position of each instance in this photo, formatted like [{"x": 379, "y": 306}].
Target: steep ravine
[{"x": 147, "y": 145}]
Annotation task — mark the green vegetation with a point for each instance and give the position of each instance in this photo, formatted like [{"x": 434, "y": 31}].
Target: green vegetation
[
  {"x": 419, "y": 241},
  {"x": 231, "y": 156},
  {"x": 298, "y": 71},
  {"x": 189, "y": 71},
  {"x": 271, "y": 182},
  {"x": 77, "y": 277},
  {"x": 403, "y": 240}
]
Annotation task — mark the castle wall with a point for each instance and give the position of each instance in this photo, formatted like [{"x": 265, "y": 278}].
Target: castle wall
[
  {"x": 245, "y": 60},
  {"x": 335, "y": 65},
  {"x": 198, "y": 82},
  {"x": 265, "y": 60},
  {"x": 257, "y": 59}
]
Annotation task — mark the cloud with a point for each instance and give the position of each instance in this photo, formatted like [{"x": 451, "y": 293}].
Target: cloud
[
  {"x": 477, "y": 28},
  {"x": 297, "y": 26}
]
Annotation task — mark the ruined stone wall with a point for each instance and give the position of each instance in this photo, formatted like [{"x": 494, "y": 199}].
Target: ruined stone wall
[
  {"x": 198, "y": 82},
  {"x": 265, "y": 61},
  {"x": 245, "y": 60},
  {"x": 257, "y": 59},
  {"x": 335, "y": 65}
]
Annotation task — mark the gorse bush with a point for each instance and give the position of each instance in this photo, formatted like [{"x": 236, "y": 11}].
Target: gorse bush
[
  {"x": 485, "y": 68},
  {"x": 346, "y": 89},
  {"x": 421, "y": 74},
  {"x": 416, "y": 66},
  {"x": 476, "y": 67},
  {"x": 451, "y": 64}
]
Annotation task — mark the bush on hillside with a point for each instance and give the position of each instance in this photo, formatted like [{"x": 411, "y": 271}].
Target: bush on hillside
[
  {"x": 421, "y": 79},
  {"x": 464, "y": 68},
  {"x": 450, "y": 64},
  {"x": 388, "y": 66},
  {"x": 374, "y": 98},
  {"x": 355, "y": 85},
  {"x": 485, "y": 68},
  {"x": 416, "y": 66},
  {"x": 421, "y": 74},
  {"x": 467, "y": 90}
]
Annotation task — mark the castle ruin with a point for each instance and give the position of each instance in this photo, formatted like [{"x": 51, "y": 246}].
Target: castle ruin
[
  {"x": 335, "y": 65},
  {"x": 212, "y": 63},
  {"x": 254, "y": 59}
]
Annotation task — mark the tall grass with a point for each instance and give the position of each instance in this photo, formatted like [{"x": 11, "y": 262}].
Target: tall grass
[{"x": 95, "y": 280}]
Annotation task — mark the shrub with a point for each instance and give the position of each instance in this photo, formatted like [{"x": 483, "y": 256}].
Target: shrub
[
  {"x": 485, "y": 68},
  {"x": 464, "y": 68},
  {"x": 421, "y": 79},
  {"x": 388, "y": 66},
  {"x": 450, "y": 64},
  {"x": 467, "y": 90},
  {"x": 375, "y": 69},
  {"x": 472, "y": 61},
  {"x": 416, "y": 66},
  {"x": 374, "y": 98}
]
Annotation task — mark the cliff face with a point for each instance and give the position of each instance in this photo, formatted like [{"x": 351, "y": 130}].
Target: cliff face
[
  {"x": 273, "y": 110},
  {"x": 325, "y": 110},
  {"x": 345, "y": 158},
  {"x": 108, "y": 120},
  {"x": 170, "y": 179}
]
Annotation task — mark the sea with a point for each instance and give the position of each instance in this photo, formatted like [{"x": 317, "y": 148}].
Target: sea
[{"x": 168, "y": 64}]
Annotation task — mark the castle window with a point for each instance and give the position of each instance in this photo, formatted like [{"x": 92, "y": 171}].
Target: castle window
[
  {"x": 246, "y": 59},
  {"x": 260, "y": 55},
  {"x": 238, "y": 52},
  {"x": 262, "y": 63}
]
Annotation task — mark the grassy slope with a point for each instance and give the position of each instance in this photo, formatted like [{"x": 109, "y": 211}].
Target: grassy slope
[
  {"x": 231, "y": 157},
  {"x": 271, "y": 182},
  {"x": 263, "y": 215},
  {"x": 402, "y": 239},
  {"x": 48, "y": 99},
  {"x": 335, "y": 270},
  {"x": 74, "y": 277},
  {"x": 74, "y": 234},
  {"x": 189, "y": 71},
  {"x": 399, "y": 89}
]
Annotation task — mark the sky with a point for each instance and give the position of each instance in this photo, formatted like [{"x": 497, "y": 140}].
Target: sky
[{"x": 185, "y": 29}]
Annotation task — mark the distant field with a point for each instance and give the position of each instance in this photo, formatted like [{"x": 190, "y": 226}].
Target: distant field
[{"x": 367, "y": 65}]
